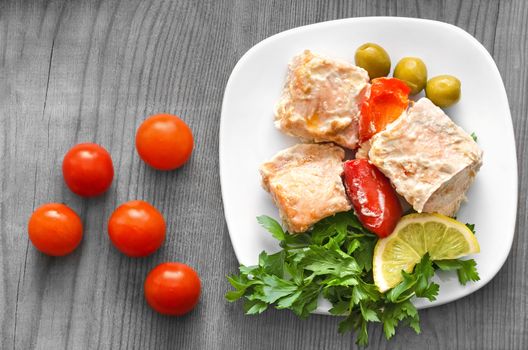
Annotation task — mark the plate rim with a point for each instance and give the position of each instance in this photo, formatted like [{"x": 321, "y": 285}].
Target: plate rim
[{"x": 503, "y": 95}]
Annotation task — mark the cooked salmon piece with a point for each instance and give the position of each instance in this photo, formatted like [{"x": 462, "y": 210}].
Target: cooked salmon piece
[
  {"x": 321, "y": 98},
  {"x": 429, "y": 160},
  {"x": 305, "y": 184}
]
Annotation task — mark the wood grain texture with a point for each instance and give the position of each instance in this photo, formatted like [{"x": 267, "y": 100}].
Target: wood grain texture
[{"x": 73, "y": 71}]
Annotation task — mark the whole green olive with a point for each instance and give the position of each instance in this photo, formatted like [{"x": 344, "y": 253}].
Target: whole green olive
[
  {"x": 374, "y": 59},
  {"x": 443, "y": 90},
  {"x": 413, "y": 72}
]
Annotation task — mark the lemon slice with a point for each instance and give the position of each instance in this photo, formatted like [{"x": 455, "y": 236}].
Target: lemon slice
[{"x": 415, "y": 235}]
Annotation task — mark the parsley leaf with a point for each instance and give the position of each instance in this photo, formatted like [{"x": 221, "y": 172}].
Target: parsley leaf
[
  {"x": 363, "y": 254},
  {"x": 394, "y": 313},
  {"x": 355, "y": 321},
  {"x": 466, "y": 269},
  {"x": 471, "y": 227},
  {"x": 323, "y": 261},
  {"x": 273, "y": 264},
  {"x": 474, "y": 136},
  {"x": 416, "y": 283},
  {"x": 334, "y": 260},
  {"x": 272, "y": 226},
  {"x": 252, "y": 307}
]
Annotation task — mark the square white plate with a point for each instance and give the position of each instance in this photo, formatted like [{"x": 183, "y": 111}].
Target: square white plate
[{"x": 248, "y": 137}]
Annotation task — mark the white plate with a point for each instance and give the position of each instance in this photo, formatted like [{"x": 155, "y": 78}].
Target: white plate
[{"x": 248, "y": 137}]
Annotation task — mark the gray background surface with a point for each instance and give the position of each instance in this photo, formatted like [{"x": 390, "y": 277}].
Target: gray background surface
[{"x": 73, "y": 71}]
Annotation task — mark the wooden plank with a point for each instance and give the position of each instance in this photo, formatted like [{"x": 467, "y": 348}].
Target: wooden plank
[{"x": 73, "y": 71}]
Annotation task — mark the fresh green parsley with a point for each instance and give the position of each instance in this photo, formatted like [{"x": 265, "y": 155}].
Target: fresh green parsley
[
  {"x": 466, "y": 269},
  {"x": 334, "y": 260},
  {"x": 474, "y": 136},
  {"x": 471, "y": 227}
]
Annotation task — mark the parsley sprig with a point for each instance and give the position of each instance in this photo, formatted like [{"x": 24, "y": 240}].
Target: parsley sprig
[{"x": 334, "y": 260}]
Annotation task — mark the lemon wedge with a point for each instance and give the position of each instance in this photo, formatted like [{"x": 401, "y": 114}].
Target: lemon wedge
[{"x": 414, "y": 235}]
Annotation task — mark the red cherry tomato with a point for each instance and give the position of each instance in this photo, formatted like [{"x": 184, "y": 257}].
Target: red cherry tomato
[
  {"x": 55, "y": 229},
  {"x": 389, "y": 97},
  {"x": 172, "y": 288},
  {"x": 136, "y": 228},
  {"x": 88, "y": 170},
  {"x": 164, "y": 142},
  {"x": 373, "y": 198}
]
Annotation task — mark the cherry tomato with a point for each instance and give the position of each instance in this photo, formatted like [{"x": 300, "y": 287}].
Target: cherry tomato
[
  {"x": 136, "y": 229},
  {"x": 164, "y": 142},
  {"x": 87, "y": 169},
  {"x": 389, "y": 97},
  {"x": 172, "y": 288},
  {"x": 55, "y": 229},
  {"x": 373, "y": 198}
]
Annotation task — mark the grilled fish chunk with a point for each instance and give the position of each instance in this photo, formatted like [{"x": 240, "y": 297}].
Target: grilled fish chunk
[
  {"x": 305, "y": 184},
  {"x": 430, "y": 161},
  {"x": 321, "y": 98}
]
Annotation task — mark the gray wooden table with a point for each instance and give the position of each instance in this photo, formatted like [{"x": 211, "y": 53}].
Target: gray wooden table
[{"x": 73, "y": 71}]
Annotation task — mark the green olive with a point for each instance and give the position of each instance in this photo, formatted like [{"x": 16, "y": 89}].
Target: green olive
[
  {"x": 413, "y": 72},
  {"x": 443, "y": 90},
  {"x": 374, "y": 59}
]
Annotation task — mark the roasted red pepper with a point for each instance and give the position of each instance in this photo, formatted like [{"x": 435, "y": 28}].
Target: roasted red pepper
[
  {"x": 389, "y": 97},
  {"x": 373, "y": 198}
]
